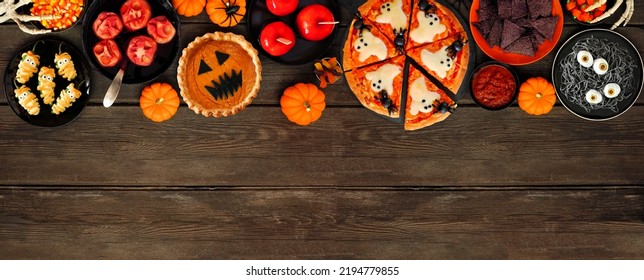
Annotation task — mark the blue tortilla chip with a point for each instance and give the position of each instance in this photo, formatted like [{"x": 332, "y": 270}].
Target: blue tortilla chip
[
  {"x": 545, "y": 26},
  {"x": 505, "y": 8},
  {"x": 494, "y": 37},
  {"x": 540, "y": 39},
  {"x": 519, "y": 9},
  {"x": 539, "y": 8},
  {"x": 484, "y": 26},
  {"x": 522, "y": 46},
  {"x": 485, "y": 14},
  {"x": 511, "y": 32}
]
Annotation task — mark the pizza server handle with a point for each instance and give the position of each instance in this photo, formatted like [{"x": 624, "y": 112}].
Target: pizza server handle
[{"x": 115, "y": 87}]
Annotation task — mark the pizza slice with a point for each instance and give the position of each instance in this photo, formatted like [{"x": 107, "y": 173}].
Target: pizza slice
[
  {"x": 431, "y": 22},
  {"x": 366, "y": 45},
  {"x": 379, "y": 86},
  {"x": 391, "y": 17},
  {"x": 426, "y": 103},
  {"x": 446, "y": 60}
]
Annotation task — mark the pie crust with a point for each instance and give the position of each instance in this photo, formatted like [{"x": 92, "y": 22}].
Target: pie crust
[{"x": 231, "y": 79}]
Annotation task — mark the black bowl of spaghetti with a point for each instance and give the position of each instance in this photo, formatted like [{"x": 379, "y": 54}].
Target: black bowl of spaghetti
[{"x": 583, "y": 89}]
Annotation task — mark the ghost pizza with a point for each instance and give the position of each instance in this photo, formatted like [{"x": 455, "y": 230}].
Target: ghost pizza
[
  {"x": 219, "y": 74},
  {"x": 407, "y": 59}
]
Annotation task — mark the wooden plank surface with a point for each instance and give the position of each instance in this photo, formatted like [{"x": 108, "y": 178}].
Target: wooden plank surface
[
  {"x": 322, "y": 224},
  {"x": 491, "y": 185},
  {"x": 347, "y": 147}
]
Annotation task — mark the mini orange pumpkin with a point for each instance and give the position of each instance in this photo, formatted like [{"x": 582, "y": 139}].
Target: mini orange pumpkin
[
  {"x": 226, "y": 13},
  {"x": 189, "y": 8},
  {"x": 303, "y": 103},
  {"x": 159, "y": 102},
  {"x": 537, "y": 96}
]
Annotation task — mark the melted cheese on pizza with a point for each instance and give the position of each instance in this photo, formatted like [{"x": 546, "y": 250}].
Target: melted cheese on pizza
[
  {"x": 383, "y": 78},
  {"x": 369, "y": 45},
  {"x": 392, "y": 13},
  {"x": 428, "y": 27},
  {"x": 421, "y": 97},
  {"x": 438, "y": 62}
]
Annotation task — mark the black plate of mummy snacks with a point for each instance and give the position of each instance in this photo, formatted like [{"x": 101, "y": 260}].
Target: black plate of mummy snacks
[
  {"x": 143, "y": 34},
  {"x": 47, "y": 83},
  {"x": 598, "y": 74},
  {"x": 289, "y": 31}
]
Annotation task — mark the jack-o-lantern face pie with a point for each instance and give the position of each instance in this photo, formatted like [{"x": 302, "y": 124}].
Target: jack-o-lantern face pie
[
  {"x": 219, "y": 74},
  {"x": 407, "y": 59}
]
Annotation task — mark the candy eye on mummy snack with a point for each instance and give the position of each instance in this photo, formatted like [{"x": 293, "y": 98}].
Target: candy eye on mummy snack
[
  {"x": 65, "y": 99},
  {"x": 65, "y": 65},
  {"x": 27, "y": 100},
  {"x": 27, "y": 67}
]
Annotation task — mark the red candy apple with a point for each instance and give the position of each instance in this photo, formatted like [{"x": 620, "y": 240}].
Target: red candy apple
[
  {"x": 107, "y": 53},
  {"x": 277, "y": 38},
  {"x": 315, "y": 22},
  {"x": 107, "y": 25},
  {"x": 282, "y": 7},
  {"x": 141, "y": 50},
  {"x": 161, "y": 29},
  {"x": 135, "y": 14}
]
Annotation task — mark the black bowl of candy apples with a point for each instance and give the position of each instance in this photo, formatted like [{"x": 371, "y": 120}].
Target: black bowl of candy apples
[
  {"x": 293, "y": 31},
  {"x": 140, "y": 35}
]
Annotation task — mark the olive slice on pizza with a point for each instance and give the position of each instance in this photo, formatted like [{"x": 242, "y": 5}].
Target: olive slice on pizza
[
  {"x": 379, "y": 86},
  {"x": 365, "y": 45},
  {"x": 446, "y": 60},
  {"x": 391, "y": 17},
  {"x": 426, "y": 103},
  {"x": 431, "y": 22}
]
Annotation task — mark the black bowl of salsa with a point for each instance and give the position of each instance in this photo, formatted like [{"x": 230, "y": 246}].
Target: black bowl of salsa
[{"x": 494, "y": 85}]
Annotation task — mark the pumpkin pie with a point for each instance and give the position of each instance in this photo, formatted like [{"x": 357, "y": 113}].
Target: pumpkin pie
[{"x": 219, "y": 74}]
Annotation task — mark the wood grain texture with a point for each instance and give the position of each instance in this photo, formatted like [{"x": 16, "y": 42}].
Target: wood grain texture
[
  {"x": 322, "y": 224},
  {"x": 346, "y": 147},
  {"x": 481, "y": 185}
]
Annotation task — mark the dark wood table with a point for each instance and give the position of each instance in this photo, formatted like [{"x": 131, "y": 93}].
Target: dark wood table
[{"x": 114, "y": 185}]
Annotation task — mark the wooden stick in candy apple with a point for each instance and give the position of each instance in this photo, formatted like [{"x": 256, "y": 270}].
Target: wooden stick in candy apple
[{"x": 8, "y": 11}]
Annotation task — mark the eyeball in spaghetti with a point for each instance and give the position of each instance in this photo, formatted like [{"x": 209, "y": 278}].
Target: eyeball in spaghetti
[
  {"x": 594, "y": 97},
  {"x": 585, "y": 58},
  {"x": 612, "y": 90},
  {"x": 600, "y": 66}
]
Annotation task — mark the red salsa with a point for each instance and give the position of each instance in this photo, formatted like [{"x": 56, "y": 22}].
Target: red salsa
[{"x": 493, "y": 86}]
